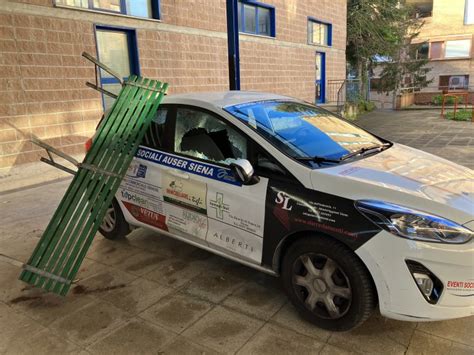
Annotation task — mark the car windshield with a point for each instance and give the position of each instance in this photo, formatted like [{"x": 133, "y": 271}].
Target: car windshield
[{"x": 304, "y": 131}]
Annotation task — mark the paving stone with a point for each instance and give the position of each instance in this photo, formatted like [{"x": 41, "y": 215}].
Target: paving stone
[
  {"x": 135, "y": 296},
  {"x": 111, "y": 252},
  {"x": 272, "y": 339},
  {"x": 45, "y": 307},
  {"x": 142, "y": 262},
  {"x": 223, "y": 330},
  {"x": 104, "y": 281},
  {"x": 334, "y": 350},
  {"x": 43, "y": 342},
  {"x": 135, "y": 337},
  {"x": 213, "y": 286},
  {"x": 175, "y": 272},
  {"x": 20, "y": 247},
  {"x": 460, "y": 349},
  {"x": 427, "y": 131},
  {"x": 90, "y": 268},
  {"x": 153, "y": 241},
  {"x": 458, "y": 330},
  {"x": 423, "y": 343},
  {"x": 13, "y": 326},
  {"x": 89, "y": 323},
  {"x": 375, "y": 335},
  {"x": 181, "y": 346},
  {"x": 11, "y": 287},
  {"x": 177, "y": 312},
  {"x": 288, "y": 317},
  {"x": 261, "y": 300}
]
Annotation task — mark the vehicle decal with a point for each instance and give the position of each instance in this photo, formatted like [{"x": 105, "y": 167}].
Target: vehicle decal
[
  {"x": 227, "y": 216},
  {"x": 292, "y": 209},
  {"x": 146, "y": 216},
  {"x": 460, "y": 286},
  {"x": 210, "y": 171},
  {"x": 187, "y": 193}
]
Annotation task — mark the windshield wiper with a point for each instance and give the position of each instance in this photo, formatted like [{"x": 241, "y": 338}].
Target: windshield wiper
[
  {"x": 318, "y": 159},
  {"x": 365, "y": 150}
]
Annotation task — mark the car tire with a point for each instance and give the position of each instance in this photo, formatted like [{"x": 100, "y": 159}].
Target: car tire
[
  {"x": 114, "y": 225},
  {"x": 337, "y": 292}
]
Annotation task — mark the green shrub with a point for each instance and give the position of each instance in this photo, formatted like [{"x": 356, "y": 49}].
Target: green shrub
[
  {"x": 461, "y": 115},
  {"x": 365, "y": 106},
  {"x": 438, "y": 100}
]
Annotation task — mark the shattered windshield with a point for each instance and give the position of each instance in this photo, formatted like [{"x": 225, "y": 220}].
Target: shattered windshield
[{"x": 303, "y": 131}]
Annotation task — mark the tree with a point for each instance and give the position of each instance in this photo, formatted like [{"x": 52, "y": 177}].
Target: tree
[{"x": 383, "y": 29}]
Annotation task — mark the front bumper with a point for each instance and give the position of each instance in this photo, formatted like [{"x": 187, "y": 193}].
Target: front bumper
[{"x": 399, "y": 297}]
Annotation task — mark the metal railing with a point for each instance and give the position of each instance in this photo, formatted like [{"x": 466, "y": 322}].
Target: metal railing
[{"x": 342, "y": 91}]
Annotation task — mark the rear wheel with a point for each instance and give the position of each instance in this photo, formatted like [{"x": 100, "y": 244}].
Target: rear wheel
[
  {"x": 328, "y": 284},
  {"x": 114, "y": 225}
]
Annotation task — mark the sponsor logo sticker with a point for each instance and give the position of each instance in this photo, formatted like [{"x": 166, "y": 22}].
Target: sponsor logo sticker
[{"x": 219, "y": 206}]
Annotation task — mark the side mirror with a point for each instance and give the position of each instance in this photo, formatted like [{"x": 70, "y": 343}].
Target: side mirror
[{"x": 243, "y": 170}]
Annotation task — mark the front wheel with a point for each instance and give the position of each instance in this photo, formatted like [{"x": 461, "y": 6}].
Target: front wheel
[
  {"x": 328, "y": 284},
  {"x": 114, "y": 225}
]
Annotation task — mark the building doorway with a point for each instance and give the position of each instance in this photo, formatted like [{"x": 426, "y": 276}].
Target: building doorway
[
  {"x": 117, "y": 49},
  {"x": 320, "y": 83}
]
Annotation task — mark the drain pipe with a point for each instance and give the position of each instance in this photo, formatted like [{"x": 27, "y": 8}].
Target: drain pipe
[{"x": 233, "y": 44}]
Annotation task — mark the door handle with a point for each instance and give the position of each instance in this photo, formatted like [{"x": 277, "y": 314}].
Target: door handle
[{"x": 177, "y": 173}]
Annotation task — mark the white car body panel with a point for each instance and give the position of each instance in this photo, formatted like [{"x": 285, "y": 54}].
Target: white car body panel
[
  {"x": 399, "y": 175},
  {"x": 407, "y": 177},
  {"x": 399, "y": 297}
]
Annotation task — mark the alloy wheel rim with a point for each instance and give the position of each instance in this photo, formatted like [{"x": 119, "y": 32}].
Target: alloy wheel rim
[
  {"x": 322, "y": 286},
  {"x": 108, "y": 223}
]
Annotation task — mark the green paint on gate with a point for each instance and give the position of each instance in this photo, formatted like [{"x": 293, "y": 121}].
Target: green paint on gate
[{"x": 64, "y": 244}]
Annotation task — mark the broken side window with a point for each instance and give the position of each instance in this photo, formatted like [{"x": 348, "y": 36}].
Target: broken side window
[
  {"x": 154, "y": 135},
  {"x": 201, "y": 135}
]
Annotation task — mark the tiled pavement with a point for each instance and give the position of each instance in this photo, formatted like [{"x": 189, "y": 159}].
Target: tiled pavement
[
  {"x": 152, "y": 294},
  {"x": 425, "y": 130}
]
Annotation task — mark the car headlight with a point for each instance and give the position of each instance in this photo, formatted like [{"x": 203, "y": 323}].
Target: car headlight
[{"x": 412, "y": 224}]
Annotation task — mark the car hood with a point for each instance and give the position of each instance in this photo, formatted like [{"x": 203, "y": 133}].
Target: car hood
[{"x": 415, "y": 172}]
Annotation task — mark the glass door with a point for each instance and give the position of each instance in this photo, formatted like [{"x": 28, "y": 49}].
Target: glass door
[
  {"x": 320, "y": 82},
  {"x": 115, "y": 49}
]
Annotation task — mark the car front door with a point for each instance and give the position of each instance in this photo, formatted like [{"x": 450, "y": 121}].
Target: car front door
[{"x": 203, "y": 197}]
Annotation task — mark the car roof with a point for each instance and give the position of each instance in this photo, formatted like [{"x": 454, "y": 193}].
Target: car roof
[{"x": 223, "y": 99}]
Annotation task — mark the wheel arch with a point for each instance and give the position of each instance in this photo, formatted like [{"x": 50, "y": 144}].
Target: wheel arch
[{"x": 291, "y": 238}]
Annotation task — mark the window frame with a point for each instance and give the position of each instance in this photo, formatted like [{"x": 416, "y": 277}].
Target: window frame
[
  {"x": 448, "y": 77},
  {"x": 241, "y": 17},
  {"x": 253, "y": 147},
  {"x": 167, "y": 132},
  {"x": 417, "y": 52},
  {"x": 457, "y": 40},
  {"x": 311, "y": 21},
  {"x": 155, "y": 9},
  {"x": 468, "y": 4},
  {"x": 173, "y": 121},
  {"x": 132, "y": 52}
]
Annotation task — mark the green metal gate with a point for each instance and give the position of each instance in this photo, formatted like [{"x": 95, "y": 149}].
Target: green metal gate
[{"x": 64, "y": 244}]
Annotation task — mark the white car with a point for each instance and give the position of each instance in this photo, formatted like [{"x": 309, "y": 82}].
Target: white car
[{"x": 345, "y": 218}]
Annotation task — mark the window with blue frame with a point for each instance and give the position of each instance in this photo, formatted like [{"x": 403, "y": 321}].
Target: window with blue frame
[
  {"x": 138, "y": 8},
  {"x": 256, "y": 18},
  {"x": 319, "y": 33},
  {"x": 116, "y": 48}
]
